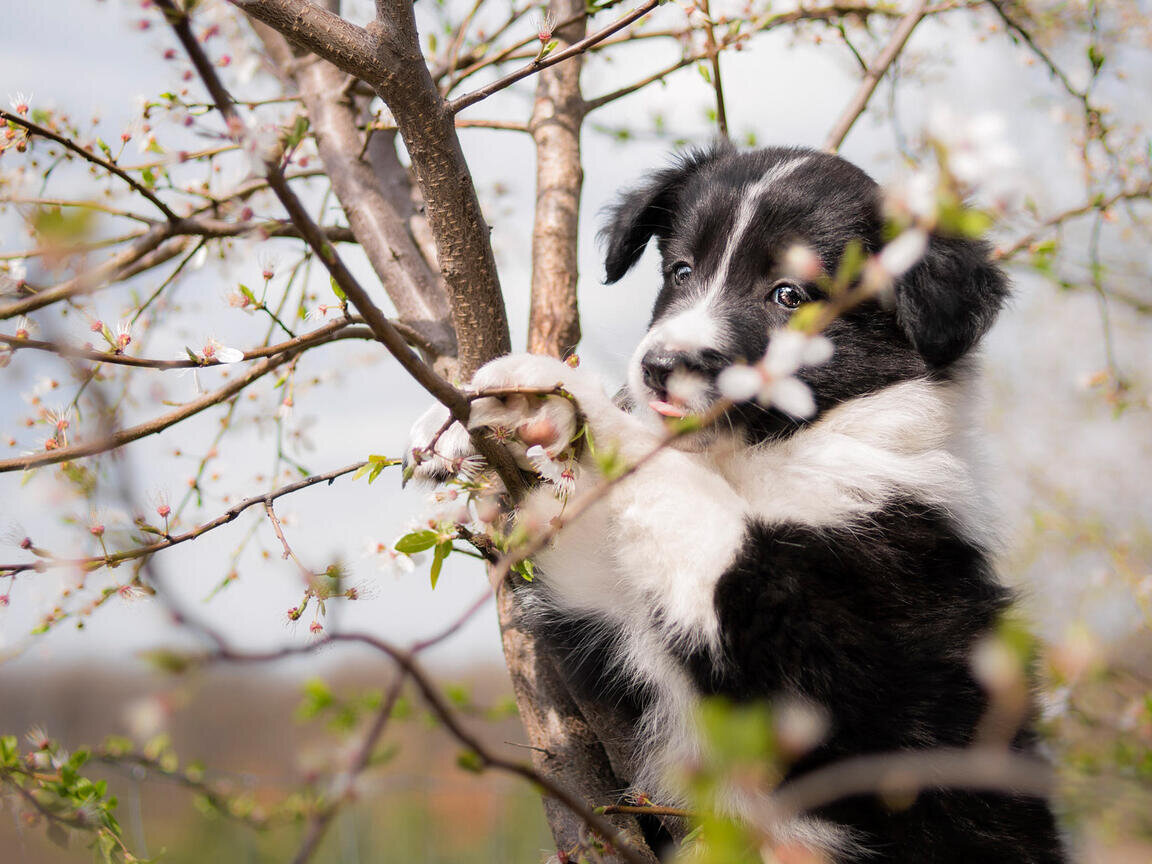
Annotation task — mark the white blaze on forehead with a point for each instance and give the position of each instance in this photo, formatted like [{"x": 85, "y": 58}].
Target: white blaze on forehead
[
  {"x": 749, "y": 204},
  {"x": 690, "y": 329},
  {"x": 695, "y": 325}
]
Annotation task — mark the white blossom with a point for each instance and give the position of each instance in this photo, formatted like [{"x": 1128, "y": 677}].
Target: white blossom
[
  {"x": 320, "y": 312},
  {"x": 740, "y": 383},
  {"x": 772, "y": 381},
  {"x": 904, "y": 252},
  {"x": 914, "y": 197},
  {"x": 123, "y": 334},
  {"x": 560, "y": 473},
  {"x": 686, "y": 387},
  {"x": 213, "y": 350},
  {"x": 387, "y": 559},
  {"x": 20, "y": 103},
  {"x": 977, "y": 149},
  {"x": 801, "y": 262}
]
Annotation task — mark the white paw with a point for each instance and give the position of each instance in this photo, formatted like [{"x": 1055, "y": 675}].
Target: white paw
[
  {"x": 435, "y": 453},
  {"x": 523, "y": 413}
]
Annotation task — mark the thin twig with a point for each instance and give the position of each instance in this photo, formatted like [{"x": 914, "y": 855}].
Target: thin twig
[
  {"x": 110, "y": 167},
  {"x": 332, "y": 332},
  {"x": 174, "y": 540},
  {"x": 486, "y": 759},
  {"x": 875, "y": 72},
  {"x": 121, "y": 437},
  {"x": 459, "y": 104},
  {"x": 910, "y": 772},
  {"x": 1140, "y": 193}
]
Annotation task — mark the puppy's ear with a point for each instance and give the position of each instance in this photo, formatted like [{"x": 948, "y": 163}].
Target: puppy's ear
[
  {"x": 947, "y": 302},
  {"x": 646, "y": 211}
]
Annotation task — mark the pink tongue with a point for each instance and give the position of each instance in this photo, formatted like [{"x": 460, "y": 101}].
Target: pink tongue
[{"x": 667, "y": 408}]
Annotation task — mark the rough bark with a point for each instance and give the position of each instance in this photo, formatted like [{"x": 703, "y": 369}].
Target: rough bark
[
  {"x": 387, "y": 56},
  {"x": 378, "y": 226},
  {"x": 566, "y": 747},
  {"x": 557, "y": 115}
]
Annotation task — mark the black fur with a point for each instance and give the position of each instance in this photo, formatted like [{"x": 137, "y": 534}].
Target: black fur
[
  {"x": 942, "y": 306},
  {"x": 875, "y": 620}
]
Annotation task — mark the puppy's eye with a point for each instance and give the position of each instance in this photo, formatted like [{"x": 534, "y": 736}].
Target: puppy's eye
[
  {"x": 787, "y": 295},
  {"x": 680, "y": 272}
]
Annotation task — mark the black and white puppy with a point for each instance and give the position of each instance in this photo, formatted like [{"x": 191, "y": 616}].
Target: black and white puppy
[{"x": 840, "y": 559}]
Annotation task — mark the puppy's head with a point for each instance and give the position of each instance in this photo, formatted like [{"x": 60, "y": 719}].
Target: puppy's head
[{"x": 725, "y": 222}]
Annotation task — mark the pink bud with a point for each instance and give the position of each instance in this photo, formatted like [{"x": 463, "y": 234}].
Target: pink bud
[
  {"x": 96, "y": 326},
  {"x": 96, "y": 530}
]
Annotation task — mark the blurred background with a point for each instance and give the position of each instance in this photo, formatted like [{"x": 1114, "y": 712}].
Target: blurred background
[{"x": 1064, "y": 413}]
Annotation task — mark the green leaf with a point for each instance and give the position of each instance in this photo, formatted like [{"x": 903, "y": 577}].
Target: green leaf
[
  {"x": 851, "y": 263},
  {"x": 317, "y": 697},
  {"x": 805, "y": 317},
  {"x": 525, "y": 569},
  {"x": 1095, "y": 57},
  {"x": 471, "y": 761},
  {"x": 443, "y": 550},
  {"x": 376, "y": 464},
  {"x": 9, "y": 750},
  {"x": 249, "y": 296},
  {"x": 172, "y": 662},
  {"x": 297, "y": 132},
  {"x": 417, "y": 541},
  {"x": 57, "y": 835}
]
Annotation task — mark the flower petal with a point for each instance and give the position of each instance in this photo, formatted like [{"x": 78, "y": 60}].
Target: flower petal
[{"x": 792, "y": 396}]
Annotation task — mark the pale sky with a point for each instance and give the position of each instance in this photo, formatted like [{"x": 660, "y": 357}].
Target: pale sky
[{"x": 1046, "y": 436}]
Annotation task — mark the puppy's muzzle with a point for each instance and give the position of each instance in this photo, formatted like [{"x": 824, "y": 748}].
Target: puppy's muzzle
[{"x": 660, "y": 364}]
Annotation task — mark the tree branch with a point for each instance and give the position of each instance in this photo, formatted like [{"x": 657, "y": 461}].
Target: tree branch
[
  {"x": 408, "y": 665},
  {"x": 332, "y": 332},
  {"x": 875, "y": 72},
  {"x": 387, "y": 56},
  {"x": 460, "y": 103},
  {"x": 557, "y": 116},
  {"x": 121, "y": 437},
  {"x": 440, "y": 389},
  {"x": 91, "y": 280},
  {"x": 229, "y": 515},
  {"x": 379, "y": 229},
  {"x": 110, "y": 167}
]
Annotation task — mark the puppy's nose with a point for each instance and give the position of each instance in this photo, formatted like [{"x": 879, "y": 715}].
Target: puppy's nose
[{"x": 657, "y": 367}]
